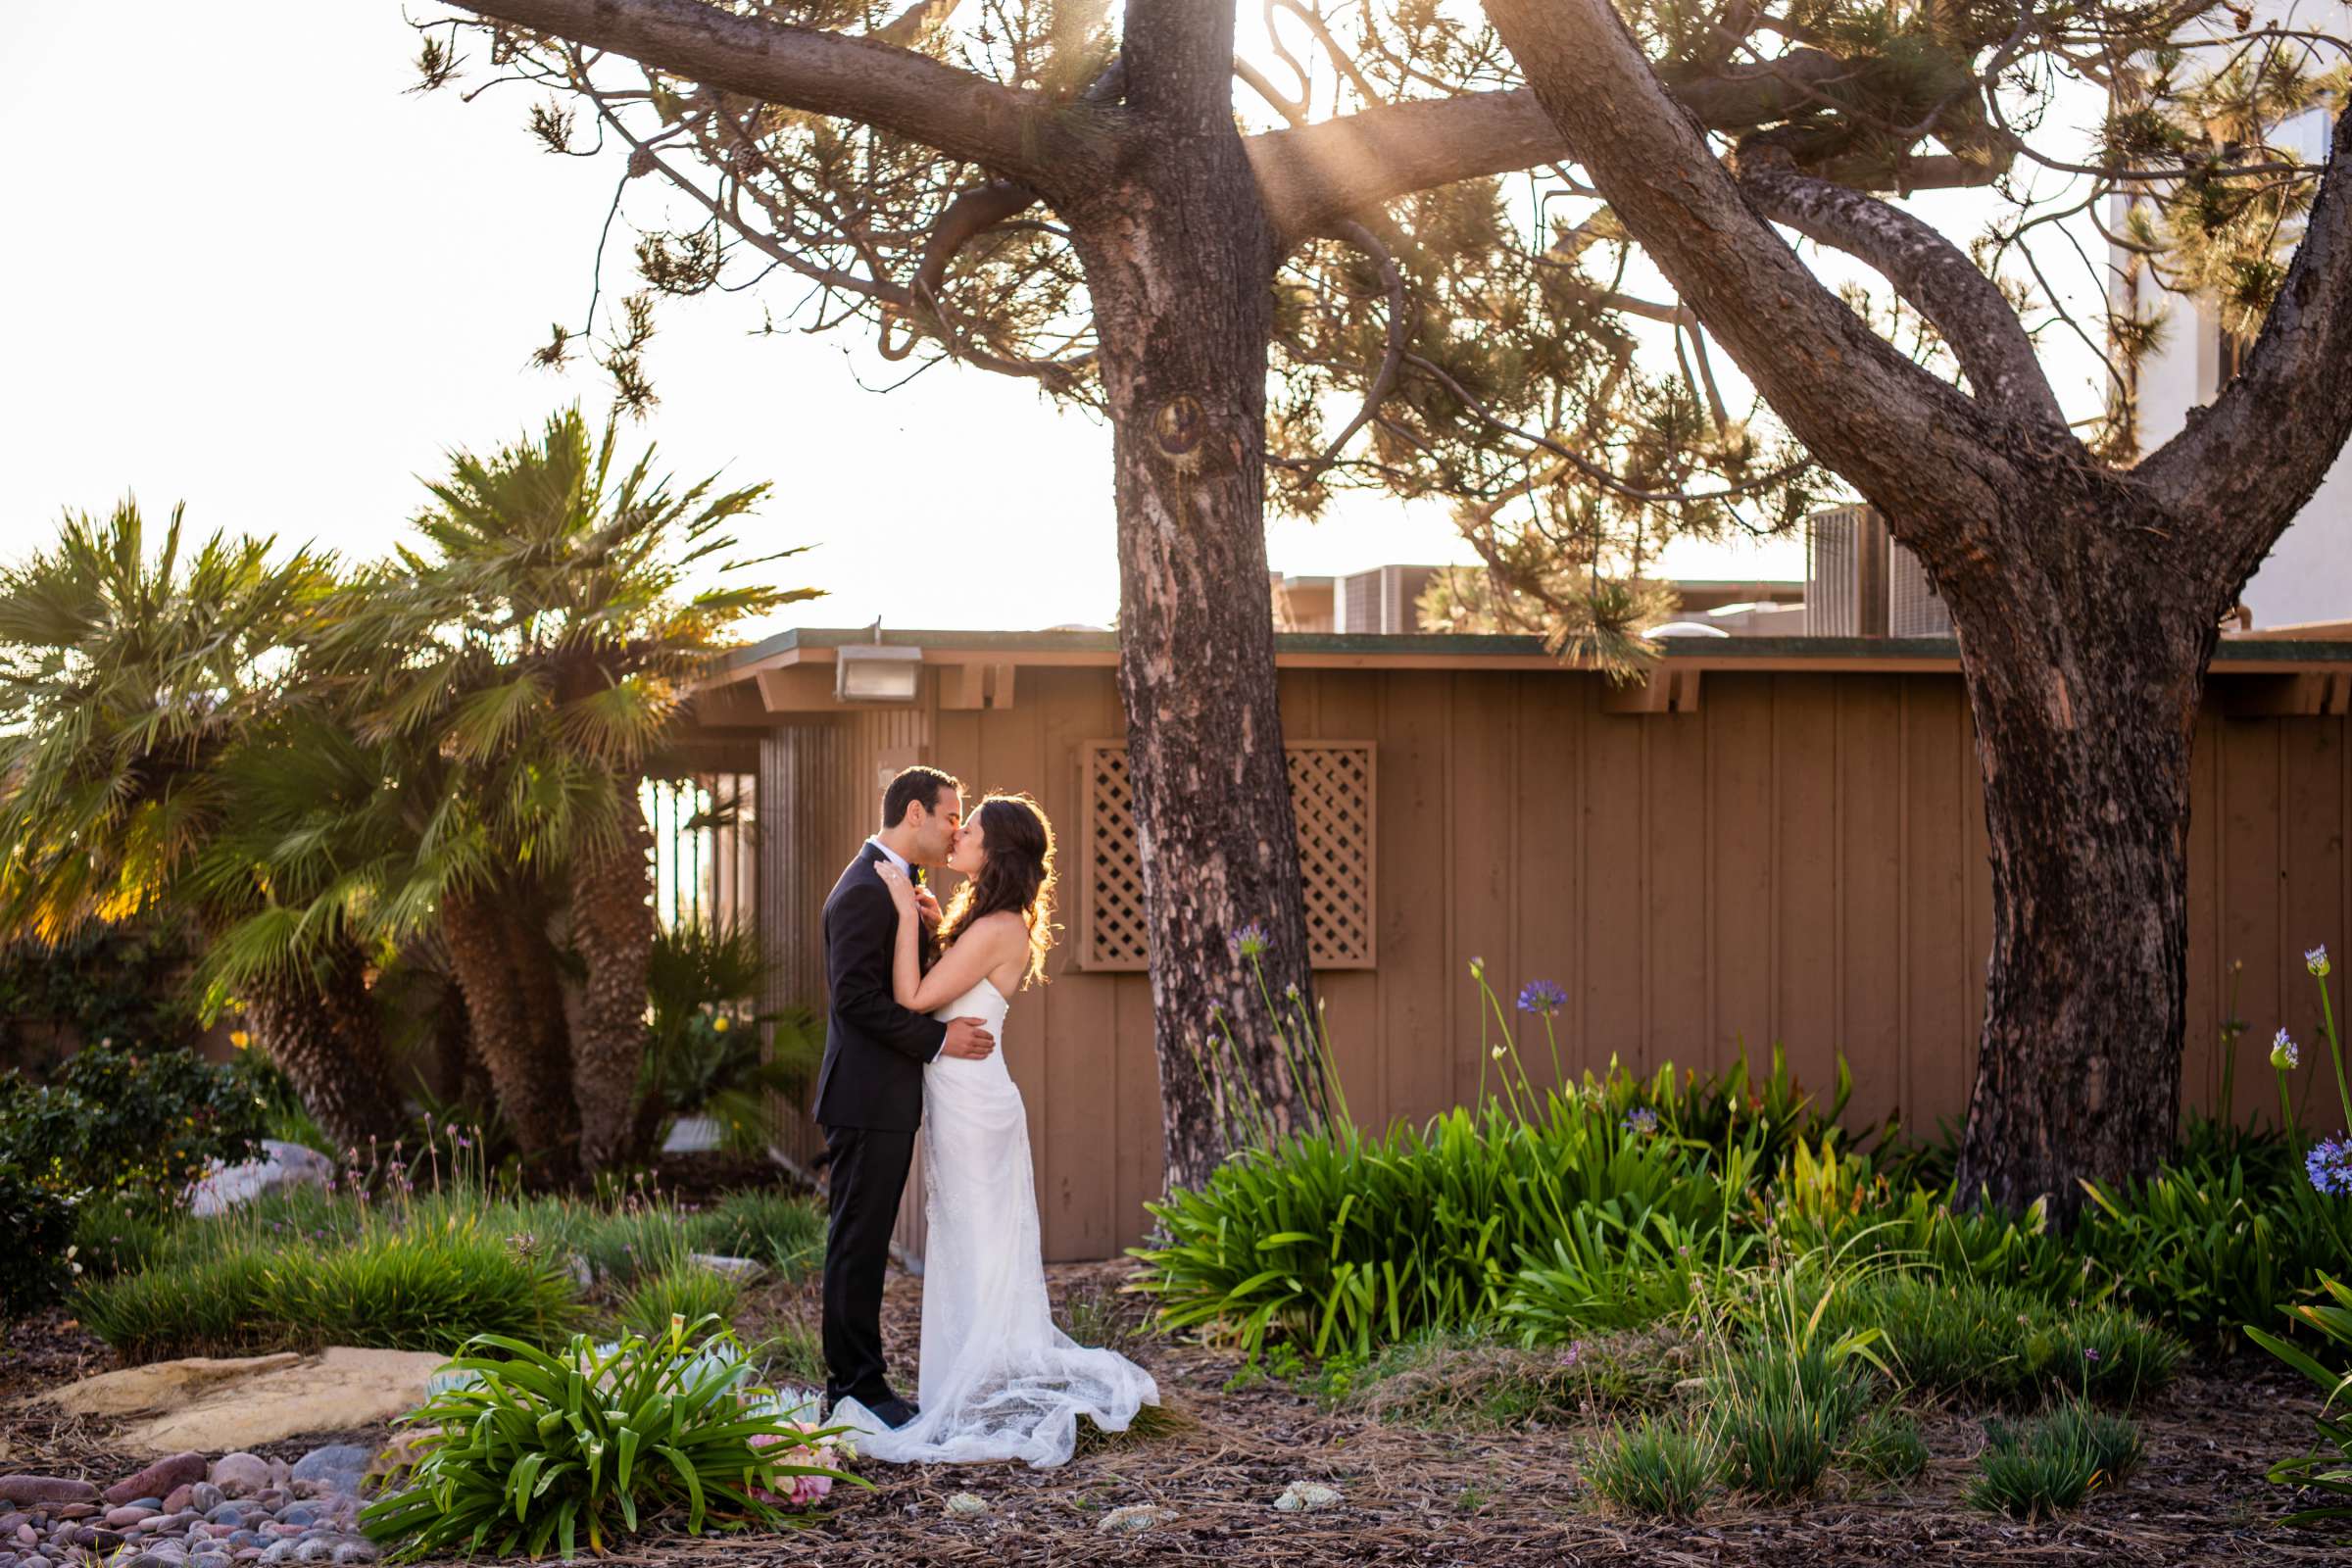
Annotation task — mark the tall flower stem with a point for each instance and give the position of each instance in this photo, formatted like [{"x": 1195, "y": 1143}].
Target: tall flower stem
[{"x": 2335, "y": 1050}]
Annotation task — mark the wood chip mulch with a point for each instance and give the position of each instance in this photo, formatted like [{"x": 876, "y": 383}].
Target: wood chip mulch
[{"x": 1409, "y": 1495}]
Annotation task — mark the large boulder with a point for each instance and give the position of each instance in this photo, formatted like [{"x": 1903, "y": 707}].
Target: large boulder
[
  {"x": 245, "y": 1402},
  {"x": 223, "y": 1187}
]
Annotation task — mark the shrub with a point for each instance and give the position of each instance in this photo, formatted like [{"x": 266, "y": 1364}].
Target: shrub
[
  {"x": 1989, "y": 1342},
  {"x": 37, "y": 1262},
  {"x": 1886, "y": 1446},
  {"x": 141, "y": 1125},
  {"x": 421, "y": 1287},
  {"x": 527, "y": 1450},
  {"x": 114, "y": 1235},
  {"x": 2052, "y": 1461},
  {"x": 2330, "y": 1474},
  {"x": 1780, "y": 1411},
  {"x": 1657, "y": 1469},
  {"x": 681, "y": 1290}
]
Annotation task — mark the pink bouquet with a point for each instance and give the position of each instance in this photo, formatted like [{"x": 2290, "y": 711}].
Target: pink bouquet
[{"x": 804, "y": 1490}]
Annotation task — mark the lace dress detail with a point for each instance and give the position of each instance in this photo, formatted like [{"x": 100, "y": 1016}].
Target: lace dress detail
[{"x": 998, "y": 1380}]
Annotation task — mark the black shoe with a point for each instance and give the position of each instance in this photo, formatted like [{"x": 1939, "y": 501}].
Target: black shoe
[{"x": 895, "y": 1412}]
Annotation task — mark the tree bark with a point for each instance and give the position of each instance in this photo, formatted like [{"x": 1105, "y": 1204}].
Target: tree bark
[
  {"x": 1179, "y": 257},
  {"x": 323, "y": 1034},
  {"x": 534, "y": 1094},
  {"x": 2085, "y": 635},
  {"x": 612, "y": 927}
]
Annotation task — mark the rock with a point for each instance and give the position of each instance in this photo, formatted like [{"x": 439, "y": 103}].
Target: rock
[
  {"x": 1305, "y": 1497},
  {"x": 177, "y": 1497},
  {"x": 9, "y": 1522},
  {"x": 744, "y": 1269},
  {"x": 240, "y": 1475},
  {"x": 243, "y": 1403},
  {"x": 277, "y": 1551},
  {"x": 157, "y": 1479},
  {"x": 128, "y": 1515},
  {"x": 283, "y": 1165},
  {"x": 226, "y": 1513},
  {"x": 36, "y": 1490},
  {"x": 964, "y": 1505},
  {"x": 36, "y": 1560},
  {"x": 75, "y": 1510},
  {"x": 204, "y": 1496},
  {"x": 340, "y": 1465},
  {"x": 1134, "y": 1519},
  {"x": 26, "y": 1535},
  {"x": 354, "y": 1552}
]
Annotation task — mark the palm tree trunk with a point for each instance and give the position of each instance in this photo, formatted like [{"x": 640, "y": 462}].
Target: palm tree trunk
[
  {"x": 325, "y": 1036},
  {"x": 612, "y": 927},
  {"x": 536, "y": 1101}
]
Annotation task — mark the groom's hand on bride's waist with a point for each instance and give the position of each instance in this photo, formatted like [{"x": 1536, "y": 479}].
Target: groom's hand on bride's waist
[{"x": 969, "y": 1039}]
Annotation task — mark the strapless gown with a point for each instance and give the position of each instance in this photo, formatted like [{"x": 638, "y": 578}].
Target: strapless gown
[{"x": 998, "y": 1380}]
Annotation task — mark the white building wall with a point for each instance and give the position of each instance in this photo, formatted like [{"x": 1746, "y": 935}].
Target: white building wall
[{"x": 2308, "y": 577}]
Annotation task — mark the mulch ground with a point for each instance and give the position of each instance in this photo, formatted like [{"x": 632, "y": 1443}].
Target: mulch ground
[{"x": 1409, "y": 1495}]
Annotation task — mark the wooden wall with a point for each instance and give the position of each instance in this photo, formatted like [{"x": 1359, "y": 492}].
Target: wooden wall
[{"x": 1800, "y": 861}]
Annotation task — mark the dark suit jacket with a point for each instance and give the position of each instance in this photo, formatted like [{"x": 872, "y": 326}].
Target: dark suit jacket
[{"x": 874, "y": 1049}]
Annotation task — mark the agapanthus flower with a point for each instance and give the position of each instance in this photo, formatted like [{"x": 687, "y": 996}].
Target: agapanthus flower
[
  {"x": 1496, "y": 1052},
  {"x": 2329, "y": 1165},
  {"x": 1641, "y": 1120},
  {"x": 2283, "y": 1054},
  {"x": 1249, "y": 941},
  {"x": 2316, "y": 959},
  {"x": 1542, "y": 995}
]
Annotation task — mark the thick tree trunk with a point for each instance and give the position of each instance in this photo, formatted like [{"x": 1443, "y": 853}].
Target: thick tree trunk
[
  {"x": 510, "y": 1030},
  {"x": 2084, "y": 656},
  {"x": 1179, "y": 260},
  {"x": 323, "y": 1035},
  {"x": 612, "y": 927}
]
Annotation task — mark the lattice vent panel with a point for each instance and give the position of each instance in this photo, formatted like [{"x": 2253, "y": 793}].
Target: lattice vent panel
[{"x": 1332, "y": 798}]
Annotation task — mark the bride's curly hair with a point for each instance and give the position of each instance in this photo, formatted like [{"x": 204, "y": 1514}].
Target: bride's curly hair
[{"x": 1018, "y": 875}]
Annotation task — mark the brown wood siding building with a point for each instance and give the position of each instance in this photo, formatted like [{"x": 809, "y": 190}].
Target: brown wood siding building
[{"x": 1770, "y": 839}]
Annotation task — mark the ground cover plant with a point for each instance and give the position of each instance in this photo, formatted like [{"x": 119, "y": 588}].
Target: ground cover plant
[{"x": 423, "y": 1252}]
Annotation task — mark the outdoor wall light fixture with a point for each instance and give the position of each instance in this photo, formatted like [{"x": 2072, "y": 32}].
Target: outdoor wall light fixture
[{"x": 872, "y": 673}]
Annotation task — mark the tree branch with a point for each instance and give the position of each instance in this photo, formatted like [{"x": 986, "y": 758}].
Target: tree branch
[
  {"x": 1906, "y": 440},
  {"x": 2255, "y": 457},
  {"x": 1925, "y": 269},
  {"x": 1023, "y": 135},
  {"x": 1316, "y": 178}
]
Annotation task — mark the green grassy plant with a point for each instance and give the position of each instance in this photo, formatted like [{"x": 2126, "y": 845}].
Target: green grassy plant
[
  {"x": 2052, "y": 1461},
  {"x": 1780, "y": 1411},
  {"x": 1885, "y": 1444},
  {"x": 683, "y": 1290},
  {"x": 1657, "y": 1469}
]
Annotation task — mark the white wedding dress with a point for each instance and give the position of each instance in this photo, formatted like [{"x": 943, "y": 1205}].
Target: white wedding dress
[{"x": 999, "y": 1381}]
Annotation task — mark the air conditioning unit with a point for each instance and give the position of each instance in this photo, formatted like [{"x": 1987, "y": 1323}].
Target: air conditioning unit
[
  {"x": 1912, "y": 607},
  {"x": 1384, "y": 600},
  {"x": 1860, "y": 583}
]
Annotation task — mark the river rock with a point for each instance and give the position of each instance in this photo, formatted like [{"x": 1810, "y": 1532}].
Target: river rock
[
  {"x": 240, "y": 1475},
  {"x": 128, "y": 1515},
  {"x": 36, "y": 1491},
  {"x": 10, "y": 1520},
  {"x": 338, "y": 1466},
  {"x": 354, "y": 1552},
  {"x": 75, "y": 1510},
  {"x": 204, "y": 1496},
  {"x": 157, "y": 1479}
]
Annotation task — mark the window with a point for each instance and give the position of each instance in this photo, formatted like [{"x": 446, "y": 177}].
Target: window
[{"x": 1332, "y": 798}]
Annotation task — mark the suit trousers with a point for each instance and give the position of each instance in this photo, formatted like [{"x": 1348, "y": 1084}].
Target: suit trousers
[{"x": 867, "y": 1176}]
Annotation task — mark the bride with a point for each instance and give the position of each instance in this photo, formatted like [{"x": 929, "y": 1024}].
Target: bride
[{"x": 997, "y": 1380}]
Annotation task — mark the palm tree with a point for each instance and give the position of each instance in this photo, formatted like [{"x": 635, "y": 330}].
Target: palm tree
[
  {"x": 541, "y": 640},
  {"x": 131, "y": 684}
]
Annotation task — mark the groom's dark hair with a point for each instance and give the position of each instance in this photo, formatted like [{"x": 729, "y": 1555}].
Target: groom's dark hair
[{"x": 913, "y": 784}]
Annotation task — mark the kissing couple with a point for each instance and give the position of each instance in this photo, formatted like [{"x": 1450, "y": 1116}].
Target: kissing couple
[{"x": 918, "y": 1000}]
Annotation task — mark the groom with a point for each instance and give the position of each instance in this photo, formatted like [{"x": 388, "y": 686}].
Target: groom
[{"x": 869, "y": 1093}]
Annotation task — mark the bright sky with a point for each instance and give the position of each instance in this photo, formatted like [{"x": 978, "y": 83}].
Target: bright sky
[{"x": 249, "y": 271}]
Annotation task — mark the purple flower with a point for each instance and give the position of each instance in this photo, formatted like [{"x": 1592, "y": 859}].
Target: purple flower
[
  {"x": 1249, "y": 942},
  {"x": 2329, "y": 1165},
  {"x": 2316, "y": 959},
  {"x": 1640, "y": 1120},
  {"x": 2283, "y": 1054},
  {"x": 2091, "y": 1355},
  {"x": 1542, "y": 995}
]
